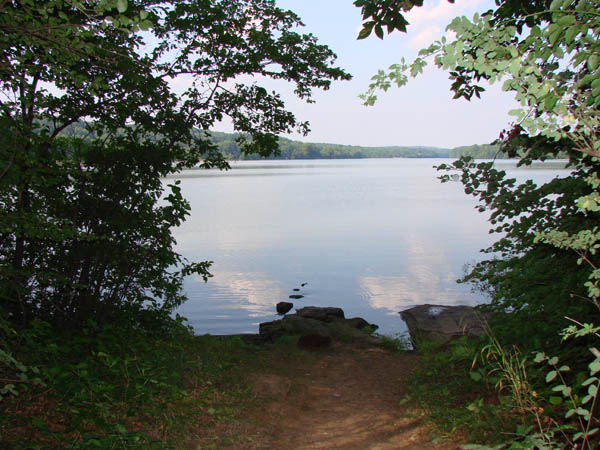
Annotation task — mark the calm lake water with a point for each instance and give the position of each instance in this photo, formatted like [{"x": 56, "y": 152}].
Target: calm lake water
[{"x": 373, "y": 237}]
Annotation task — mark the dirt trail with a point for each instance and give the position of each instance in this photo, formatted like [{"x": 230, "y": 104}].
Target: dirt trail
[{"x": 346, "y": 397}]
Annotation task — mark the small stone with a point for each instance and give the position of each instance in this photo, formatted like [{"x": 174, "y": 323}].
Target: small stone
[
  {"x": 296, "y": 290},
  {"x": 284, "y": 307},
  {"x": 336, "y": 395},
  {"x": 296, "y": 296}
]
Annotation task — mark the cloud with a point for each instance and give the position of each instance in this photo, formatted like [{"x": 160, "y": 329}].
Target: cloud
[
  {"x": 425, "y": 37},
  {"x": 442, "y": 13},
  {"x": 427, "y": 23}
]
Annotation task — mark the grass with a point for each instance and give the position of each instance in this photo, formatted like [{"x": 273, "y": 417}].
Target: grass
[
  {"x": 111, "y": 387},
  {"x": 456, "y": 398},
  {"x": 398, "y": 343}
]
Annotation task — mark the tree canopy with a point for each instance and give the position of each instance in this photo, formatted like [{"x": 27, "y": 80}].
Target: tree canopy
[{"x": 85, "y": 221}]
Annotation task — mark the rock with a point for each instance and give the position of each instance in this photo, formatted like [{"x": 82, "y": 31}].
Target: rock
[
  {"x": 284, "y": 307},
  {"x": 360, "y": 324},
  {"x": 324, "y": 314},
  {"x": 313, "y": 320},
  {"x": 296, "y": 296},
  {"x": 292, "y": 324},
  {"x": 314, "y": 341},
  {"x": 296, "y": 290},
  {"x": 443, "y": 323}
]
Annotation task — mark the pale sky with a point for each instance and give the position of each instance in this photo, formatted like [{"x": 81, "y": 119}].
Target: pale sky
[{"x": 421, "y": 113}]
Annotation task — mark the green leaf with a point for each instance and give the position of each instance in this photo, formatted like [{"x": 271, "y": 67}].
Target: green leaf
[
  {"x": 566, "y": 20},
  {"x": 570, "y": 34},
  {"x": 366, "y": 30},
  {"x": 145, "y": 25},
  {"x": 122, "y": 6},
  {"x": 593, "y": 61},
  {"x": 594, "y": 366},
  {"x": 555, "y": 400},
  {"x": 551, "y": 376},
  {"x": 475, "y": 376}
]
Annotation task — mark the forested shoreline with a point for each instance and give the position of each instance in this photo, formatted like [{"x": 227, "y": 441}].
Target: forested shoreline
[
  {"x": 292, "y": 149},
  {"x": 229, "y": 145}
]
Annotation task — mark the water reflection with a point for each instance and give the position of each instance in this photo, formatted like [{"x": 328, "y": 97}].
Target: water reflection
[
  {"x": 370, "y": 236},
  {"x": 253, "y": 292}
]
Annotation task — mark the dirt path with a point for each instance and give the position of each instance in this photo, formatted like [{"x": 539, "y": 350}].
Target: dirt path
[{"x": 346, "y": 397}]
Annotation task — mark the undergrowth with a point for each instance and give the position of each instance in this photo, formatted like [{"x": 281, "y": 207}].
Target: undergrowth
[
  {"x": 116, "y": 387},
  {"x": 499, "y": 398},
  {"x": 456, "y": 398}
]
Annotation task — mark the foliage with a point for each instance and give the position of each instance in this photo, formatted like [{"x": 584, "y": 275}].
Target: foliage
[
  {"x": 509, "y": 367},
  {"x": 377, "y": 14},
  {"x": 455, "y": 398},
  {"x": 398, "y": 343},
  {"x": 85, "y": 222},
  {"x": 114, "y": 386}
]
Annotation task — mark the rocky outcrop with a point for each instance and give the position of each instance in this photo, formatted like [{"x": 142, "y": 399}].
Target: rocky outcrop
[
  {"x": 317, "y": 321},
  {"x": 324, "y": 314},
  {"x": 443, "y": 323}
]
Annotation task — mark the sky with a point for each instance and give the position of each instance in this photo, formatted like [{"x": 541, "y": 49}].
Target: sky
[{"x": 421, "y": 113}]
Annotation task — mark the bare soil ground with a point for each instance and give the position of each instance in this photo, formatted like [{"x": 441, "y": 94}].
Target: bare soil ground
[{"x": 345, "y": 397}]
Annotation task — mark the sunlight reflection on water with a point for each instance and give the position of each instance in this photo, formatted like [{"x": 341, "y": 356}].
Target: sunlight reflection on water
[{"x": 370, "y": 236}]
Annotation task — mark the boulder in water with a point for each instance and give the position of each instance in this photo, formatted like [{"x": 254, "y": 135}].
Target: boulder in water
[{"x": 284, "y": 307}]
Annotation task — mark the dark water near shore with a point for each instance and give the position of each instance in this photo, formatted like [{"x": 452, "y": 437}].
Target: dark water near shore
[{"x": 370, "y": 236}]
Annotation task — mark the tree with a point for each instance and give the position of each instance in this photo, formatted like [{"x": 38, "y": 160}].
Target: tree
[{"x": 85, "y": 222}]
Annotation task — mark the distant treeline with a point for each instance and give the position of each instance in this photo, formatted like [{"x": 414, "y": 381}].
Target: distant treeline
[
  {"x": 304, "y": 150},
  {"x": 484, "y": 151},
  {"x": 290, "y": 149}
]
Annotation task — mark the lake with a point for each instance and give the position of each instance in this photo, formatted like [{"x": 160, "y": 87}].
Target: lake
[{"x": 372, "y": 237}]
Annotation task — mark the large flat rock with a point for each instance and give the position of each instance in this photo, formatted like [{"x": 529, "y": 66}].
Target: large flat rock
[{"x": 443, "y": 323}]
